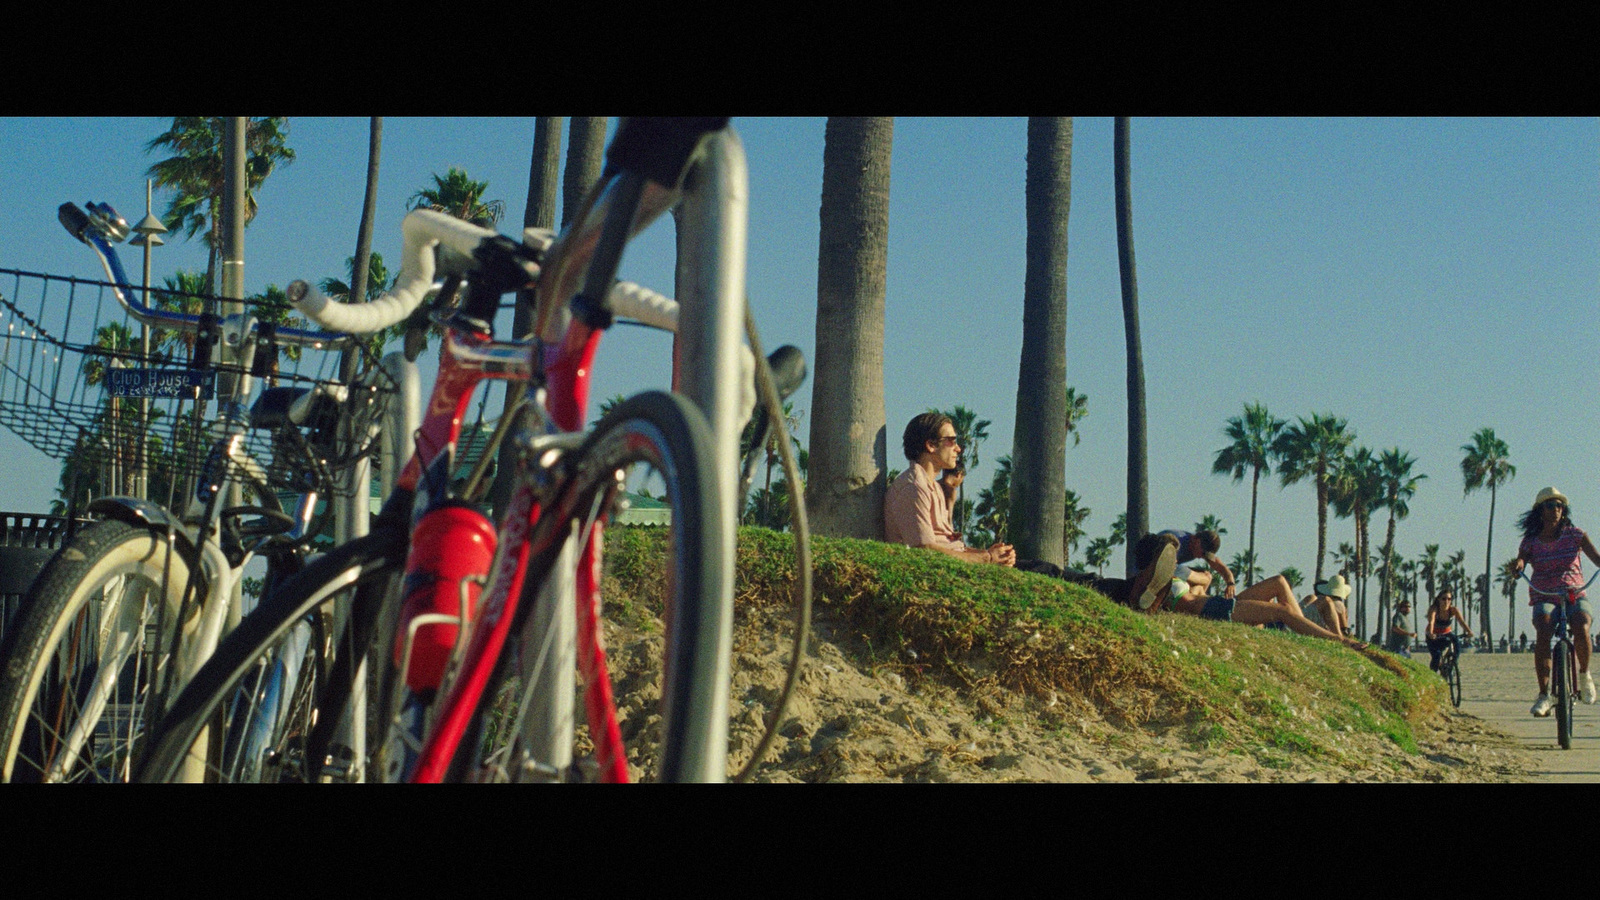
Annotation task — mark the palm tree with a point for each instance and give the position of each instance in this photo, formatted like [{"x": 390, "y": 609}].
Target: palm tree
[
  {"x": 1399, "y": 486},
  {"x": 845, "y": 494},
  {"x": 1077, "y": 411},
  {"x": 1119, "y": 530},
  {"x": 586, "y": 145},
  {"x": 543, "y": 176},
  {"x": 1487, "y": 464},
  {"x": 1210, "y": 522},
  {"x": 369, "y": 209},
  {"x": 272, "y": 305},
  {"x": 457, "y": 194},
  {"x": 1039, "y": 439},
  {"x": 116, "y": 340},
  {"x": 993, "y": 510},
  {"x": 1072, "y": 525},
  {"x": 1354, "y": 491},
  {"x": 1252, "y": 436},
  {"x": 1293, "y": 576},
  {"x": 1506, "y": 577},
  {"x": 1454, "y": 575},
  {"x": 197, "y": 171},
  {"x": 1244, "y": 566},
  {"x": 1428, "y": 567},
  {"x": 1310, "y": 448},
  {"x": 1138, "y": 454},
  {"x": 1097, "y": 554},
  {"x": 971, "y": 432}
]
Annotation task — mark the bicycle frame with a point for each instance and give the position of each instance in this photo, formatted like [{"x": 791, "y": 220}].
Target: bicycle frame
[
  {"x": 711, "y": 296},
  {"x": 227, "y": 467}
]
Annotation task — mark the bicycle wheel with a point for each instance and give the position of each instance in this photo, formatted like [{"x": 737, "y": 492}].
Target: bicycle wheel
[
  {"x": 90, "y": 658},
  {"x": 667, "y": 721},
  {"x": 268, "y": 703},
  {"x": 1564, "y": 678},
  {"x": 1452, "y": 668}
]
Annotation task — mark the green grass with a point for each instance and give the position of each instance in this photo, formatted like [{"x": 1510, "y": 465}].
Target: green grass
[{"x": 1001, "y": 635}]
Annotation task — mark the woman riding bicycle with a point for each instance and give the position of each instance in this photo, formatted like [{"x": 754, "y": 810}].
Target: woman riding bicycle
[
  {"x": 1551, "y": 543},
  {"x": 1442, "y": 616}
]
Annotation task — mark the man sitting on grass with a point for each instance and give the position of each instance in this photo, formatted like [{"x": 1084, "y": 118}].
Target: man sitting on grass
[{"x": 916, "y": 513}]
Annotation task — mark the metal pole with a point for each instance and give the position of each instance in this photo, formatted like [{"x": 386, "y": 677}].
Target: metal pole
[{"x": 711, "y": 293}]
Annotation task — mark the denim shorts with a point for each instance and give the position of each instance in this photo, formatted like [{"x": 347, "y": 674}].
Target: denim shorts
[
  {"x": 1219, "y": 608},
  {"x": 1548, "y": 609}
]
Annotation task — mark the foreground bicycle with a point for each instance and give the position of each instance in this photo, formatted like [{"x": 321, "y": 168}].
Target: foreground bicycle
[
  {"x": 1563, "y": 657},
  {"x": 131, "y": 606},
  {"x": 497, "y": 699}
]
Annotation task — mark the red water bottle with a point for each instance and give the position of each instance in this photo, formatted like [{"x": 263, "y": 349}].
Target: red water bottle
[{"x": 451, "y": 543}]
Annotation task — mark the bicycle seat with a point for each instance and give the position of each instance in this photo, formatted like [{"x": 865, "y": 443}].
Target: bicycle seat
[{"x": 272, "y": 408}]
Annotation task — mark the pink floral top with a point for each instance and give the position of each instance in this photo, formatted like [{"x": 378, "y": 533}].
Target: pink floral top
[{"x": 1556, "y": 564}]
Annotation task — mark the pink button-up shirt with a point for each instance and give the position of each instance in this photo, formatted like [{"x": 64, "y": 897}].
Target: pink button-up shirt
[{"x": 915, "y": 514}]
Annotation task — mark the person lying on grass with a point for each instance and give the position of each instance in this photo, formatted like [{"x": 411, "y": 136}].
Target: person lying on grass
[
  {"x": 916, "y": 514},
  {"x": 1263, "y": 603},
  {"x": 1326, "y": 606}
]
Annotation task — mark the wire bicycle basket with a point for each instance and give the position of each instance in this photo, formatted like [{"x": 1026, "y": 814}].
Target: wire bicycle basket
[{"x": 76, "y": 383}]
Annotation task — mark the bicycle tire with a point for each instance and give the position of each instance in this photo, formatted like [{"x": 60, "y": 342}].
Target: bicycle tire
[
  {"x": 1563, "y": 676},
  {"x": 268, "y": 701},
  {"x": 1454, "y": 678},
  {"x": 668, "y": 433},
  {"x": 86, "y": 663}
]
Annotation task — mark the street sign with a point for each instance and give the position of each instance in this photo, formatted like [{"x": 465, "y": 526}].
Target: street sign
[{"x": 179, "y": 383}]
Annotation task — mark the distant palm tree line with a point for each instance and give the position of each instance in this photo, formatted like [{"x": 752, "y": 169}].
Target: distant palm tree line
[{"x": 1357, "y": 483}]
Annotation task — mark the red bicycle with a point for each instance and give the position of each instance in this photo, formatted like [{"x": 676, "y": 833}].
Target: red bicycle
[{"x": 476, "y": 639}]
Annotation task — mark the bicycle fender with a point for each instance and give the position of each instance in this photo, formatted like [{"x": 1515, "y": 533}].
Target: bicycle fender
[{"x": 149, "y": 515}]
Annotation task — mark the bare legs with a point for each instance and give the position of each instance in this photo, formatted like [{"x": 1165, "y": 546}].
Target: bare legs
[
  {"x": 1273, "y": 590},
  {"x": 1261, "y": 612},
  {"x": 1543, "y": 628}
]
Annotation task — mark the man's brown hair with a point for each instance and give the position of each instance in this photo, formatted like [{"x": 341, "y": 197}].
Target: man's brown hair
[{"x": 920, "y": 431}]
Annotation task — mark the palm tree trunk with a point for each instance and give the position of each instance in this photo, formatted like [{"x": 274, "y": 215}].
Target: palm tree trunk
[
  {"x": 1488, "y": 567},
  {"x": 585, "y": 154},
  {"x": 1039, "y": 441},
  {"x": 848, "y": 455},
  {"x": 1138, "y": 476},
  {"x": 363, "y": 261},
  {"x": 1322, "y": 524},
  {"x": 1255, "y": 487},
  {"x": 544, "y": 173}
]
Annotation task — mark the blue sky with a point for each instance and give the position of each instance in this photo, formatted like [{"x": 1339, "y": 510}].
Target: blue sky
[{"x": 1422, "y": 278}]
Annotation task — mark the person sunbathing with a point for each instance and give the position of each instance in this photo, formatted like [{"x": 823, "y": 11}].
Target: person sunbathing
[{"x": 1250, "y": 607}]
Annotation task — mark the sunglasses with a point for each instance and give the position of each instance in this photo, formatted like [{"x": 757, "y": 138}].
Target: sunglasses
[{"x": 948, "y": 439}]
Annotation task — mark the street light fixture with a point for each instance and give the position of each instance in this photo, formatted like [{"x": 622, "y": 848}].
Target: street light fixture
[{"x": 149, "y": 231}]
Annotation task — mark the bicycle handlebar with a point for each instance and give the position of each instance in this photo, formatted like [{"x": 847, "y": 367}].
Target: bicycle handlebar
[
  {"x": 1523, "y": 573},
  {"x": 101, "y": 226},
  {"x": 422, "y": 231}
]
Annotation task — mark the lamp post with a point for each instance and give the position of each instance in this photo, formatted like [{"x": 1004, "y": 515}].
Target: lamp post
[{"x": 149, "y": 231}]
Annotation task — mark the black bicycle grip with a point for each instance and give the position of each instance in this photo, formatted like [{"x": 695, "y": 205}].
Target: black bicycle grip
[
  {"x": 658, "y": 147},
  {"x": 73, "y": 219}
]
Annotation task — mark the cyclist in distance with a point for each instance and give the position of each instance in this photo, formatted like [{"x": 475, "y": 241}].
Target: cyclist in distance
[
  {"x": 1442, "y": 616},
  {"x": 1551, "y": 543}
]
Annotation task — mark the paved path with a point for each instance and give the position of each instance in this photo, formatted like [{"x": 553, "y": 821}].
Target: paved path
[{"x": 1500, "y": 687}]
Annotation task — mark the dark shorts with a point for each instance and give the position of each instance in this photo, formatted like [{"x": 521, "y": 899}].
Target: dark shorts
[{"x": 1219, "y": 608}]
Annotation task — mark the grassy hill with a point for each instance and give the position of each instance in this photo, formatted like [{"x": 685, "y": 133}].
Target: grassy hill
[{"x": 1001, "y": 638}]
